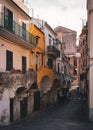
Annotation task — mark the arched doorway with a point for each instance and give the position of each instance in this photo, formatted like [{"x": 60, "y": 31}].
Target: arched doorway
[
  {"x": 45, "y": 84},
  {"x": 23, "y": 98},
  {"x": 36, "y": 94}
]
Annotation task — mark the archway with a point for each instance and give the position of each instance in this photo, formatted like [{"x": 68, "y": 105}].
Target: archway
[
  {"x": 45, "y": 84},
  {"x": 22, "y": 97}
]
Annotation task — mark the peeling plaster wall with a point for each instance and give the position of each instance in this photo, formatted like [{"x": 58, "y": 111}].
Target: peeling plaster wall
[
  {"x": 4, "y": 108},
  {"x": 9, "y": 84}
]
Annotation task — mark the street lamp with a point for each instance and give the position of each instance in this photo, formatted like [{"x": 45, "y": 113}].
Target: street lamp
[{"x": 78, "y": 55}]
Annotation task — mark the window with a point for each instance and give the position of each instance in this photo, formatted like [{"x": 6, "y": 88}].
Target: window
[
  {"x": 37, "y": 39},
  {"x": 23, "y": 1},
  {"x": 65, "y": 70},
  {"x": 50, "y": 63},
  {"x": 8, "y": 19},
  {"x": 50, "y": 40},
  {"x": 42, "y": 59},
  {"x": 58, "y": 67},
  {"x": 23, "y": 64},
  {"x": 75, "y": 72},
  {"x": 54, "y": 42},
  {"x": 9, "y": 60},
  {"x": 36, "y": 62},
  {"x": 23, "y": 30},
  {"x": 75, "y": 62}
]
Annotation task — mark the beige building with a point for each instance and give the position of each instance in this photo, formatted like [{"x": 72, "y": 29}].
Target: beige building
[
  {"x": 90, "y": 46},
  {"x": 15, "y": 45}
]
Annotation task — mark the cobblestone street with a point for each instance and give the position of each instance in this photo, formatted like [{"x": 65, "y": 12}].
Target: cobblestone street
[{"x": 68, "y": 114}]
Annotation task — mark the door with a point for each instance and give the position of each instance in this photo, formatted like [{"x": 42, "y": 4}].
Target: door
[
  {"x": 11, "y": 109},
  {"x": 36, "y": 101},
  {"x": 23, "y": 108},
  {"x": 23, "y": 30},
  {"x": 8, "y": 19}
]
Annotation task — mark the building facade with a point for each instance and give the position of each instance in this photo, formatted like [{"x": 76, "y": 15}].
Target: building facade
[
  {"x": 83, "y": 61},
  {"x": 47, "y": 52},
  {"x": 68, "y": 38},
  {"x": 32, "y": 65},
  {"x": 16, "y": 78},
  {"x": 90, "y": 46}
]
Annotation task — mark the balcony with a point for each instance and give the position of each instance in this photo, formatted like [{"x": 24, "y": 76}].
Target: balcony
[
  {"x": 13, "y": 32},
  {"x": 53, "y": 52}
]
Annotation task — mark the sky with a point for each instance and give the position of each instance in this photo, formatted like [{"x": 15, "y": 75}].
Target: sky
[{"x": 67, "y": 13}]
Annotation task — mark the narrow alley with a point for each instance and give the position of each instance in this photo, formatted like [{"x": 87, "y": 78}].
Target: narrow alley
[{"x": 68, "y": 114}]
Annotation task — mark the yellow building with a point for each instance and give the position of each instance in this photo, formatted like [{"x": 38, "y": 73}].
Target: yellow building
[{"x": 38, "y": 61}]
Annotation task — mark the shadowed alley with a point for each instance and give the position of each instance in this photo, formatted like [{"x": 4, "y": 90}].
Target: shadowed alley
[{"x": 68, "y": 114}]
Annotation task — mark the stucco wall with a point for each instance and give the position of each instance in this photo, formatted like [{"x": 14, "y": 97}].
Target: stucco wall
[
  {"x": 18, "y": 52},
  {"x": 18, "y": 16}
]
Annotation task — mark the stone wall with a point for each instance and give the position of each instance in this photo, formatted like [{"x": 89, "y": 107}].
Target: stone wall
[{"x": 16, "y": 86}]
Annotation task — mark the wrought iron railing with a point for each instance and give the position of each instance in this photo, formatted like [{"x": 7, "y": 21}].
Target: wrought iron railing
[
  {"x": 13, "y": 27},
  {"x": 53, "y": 50}
]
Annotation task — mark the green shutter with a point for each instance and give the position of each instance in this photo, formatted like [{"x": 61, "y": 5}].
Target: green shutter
[{"x": 9, "y": 60}]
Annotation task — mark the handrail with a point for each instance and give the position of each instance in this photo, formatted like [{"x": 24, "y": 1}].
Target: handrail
[{"x": 13, "y": 27}]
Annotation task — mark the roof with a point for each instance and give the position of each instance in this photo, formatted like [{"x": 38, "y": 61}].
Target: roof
[
  {"x": 64, "y": 30},
  {"x": 50, "y": 28}
]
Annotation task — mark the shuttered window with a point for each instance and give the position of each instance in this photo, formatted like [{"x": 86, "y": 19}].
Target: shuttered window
[
  {"x": 8, "y": 19},
  {"x": 23, "y": 64},
  {"x": 23, "y": 30},
  {"x": 9, "y": 60}
]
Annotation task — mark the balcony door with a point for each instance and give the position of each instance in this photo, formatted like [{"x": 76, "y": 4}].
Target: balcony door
[
  {"x": 24, "y": 30},
  {"x": 8, "y": 19}
]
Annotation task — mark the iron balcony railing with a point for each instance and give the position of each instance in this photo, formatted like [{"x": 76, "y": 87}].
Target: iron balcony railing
[
  {"x": 52, "y": 50},
  {"x": 13, "y": 27}
]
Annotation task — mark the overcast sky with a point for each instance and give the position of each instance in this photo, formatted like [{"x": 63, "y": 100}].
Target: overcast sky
[{"x": 66, "y": 13}]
